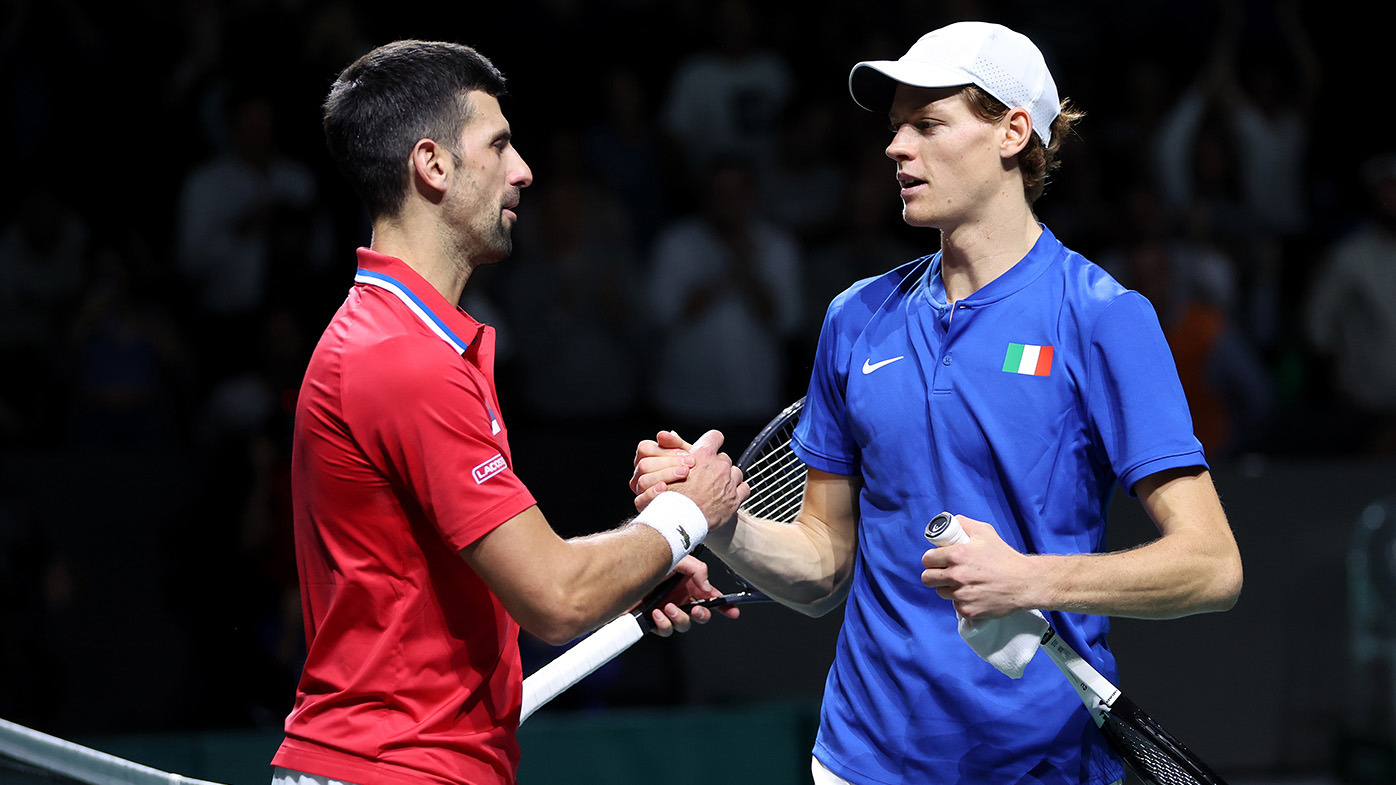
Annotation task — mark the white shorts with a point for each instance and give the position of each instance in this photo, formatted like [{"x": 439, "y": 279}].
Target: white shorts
[
  {"x": 822, "y": 775},
  {"x": 280, "y": 776}
]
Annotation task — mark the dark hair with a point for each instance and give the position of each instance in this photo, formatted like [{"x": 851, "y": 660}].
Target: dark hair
[
  {"x": 390, "y": 98},
  {"x": 1036, "y": 160}
]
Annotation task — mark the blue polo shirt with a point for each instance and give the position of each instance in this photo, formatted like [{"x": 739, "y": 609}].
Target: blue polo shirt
[{"x": 1022, "y": 405}]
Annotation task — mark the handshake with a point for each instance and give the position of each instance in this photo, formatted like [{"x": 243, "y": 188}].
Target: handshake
[{"x": 698, "y": 471}]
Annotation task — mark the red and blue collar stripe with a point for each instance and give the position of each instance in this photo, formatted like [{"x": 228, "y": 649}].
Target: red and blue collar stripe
[{"x": 400, "y": 290}]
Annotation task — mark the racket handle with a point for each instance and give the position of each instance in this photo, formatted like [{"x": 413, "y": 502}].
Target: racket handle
[
  {"x": 727, "y": 600},
  {"x": 579, "y": 662},
  {"x": 595, "y": 650},
  {"x": 945, "y": 530}
]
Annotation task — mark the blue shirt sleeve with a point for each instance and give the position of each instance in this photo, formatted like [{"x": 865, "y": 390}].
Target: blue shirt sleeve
[
  {"x": 1134, "y": 398},
  {"x": 822, "y": 439}
]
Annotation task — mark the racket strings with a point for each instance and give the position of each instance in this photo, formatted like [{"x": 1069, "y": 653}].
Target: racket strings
[
  {"x": 783, "y": 481},
  {"x": 775, "y": 474},
  {"x": 777, "y": 480},
  {"x": 778, "y": 467},
  {"x": 783, "y": 506}
]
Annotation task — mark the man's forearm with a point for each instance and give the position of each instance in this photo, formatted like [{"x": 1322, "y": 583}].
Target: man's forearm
[
  {"x": 802, "y": 565},
  {"x": 1170, "y": 577}
]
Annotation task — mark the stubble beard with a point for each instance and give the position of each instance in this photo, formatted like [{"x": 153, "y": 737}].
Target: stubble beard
[
  {"x": 485, "y": 241},
  {"x": 487, "y": 244},
  {"x": 501, "y": 240}
]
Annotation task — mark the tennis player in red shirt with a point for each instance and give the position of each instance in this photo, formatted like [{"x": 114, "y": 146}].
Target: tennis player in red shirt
[{"x": 420, "y": 553}]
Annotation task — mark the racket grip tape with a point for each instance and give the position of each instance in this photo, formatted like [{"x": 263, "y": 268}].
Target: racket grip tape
[
  {"x": 945, "y": 530},
  {"x": 592, "y": 652},
  {"x": 579, "y": 662}
]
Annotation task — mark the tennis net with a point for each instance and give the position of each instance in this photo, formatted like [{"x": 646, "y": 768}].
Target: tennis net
[{"x": 28, "y": 756}]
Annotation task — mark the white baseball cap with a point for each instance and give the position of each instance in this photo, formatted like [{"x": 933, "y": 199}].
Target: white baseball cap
[{"x": 1004, "y": 63}]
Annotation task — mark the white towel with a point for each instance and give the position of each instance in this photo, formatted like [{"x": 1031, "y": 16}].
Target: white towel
[{"x": 1007, "y": 643}]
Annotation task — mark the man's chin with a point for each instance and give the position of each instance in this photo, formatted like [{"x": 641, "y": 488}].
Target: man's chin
[
  {"x": 500, "y": 248},
  {"x": 912, "y": 218}
]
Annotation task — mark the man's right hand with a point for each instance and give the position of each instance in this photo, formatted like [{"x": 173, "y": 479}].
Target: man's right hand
[
  {"x": 696, "y": 470},
  {"x": 659, "y": 461}
]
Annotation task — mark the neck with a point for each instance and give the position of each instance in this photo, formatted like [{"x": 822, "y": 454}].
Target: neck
[
  {"x": 427, "y": 249},
  {"x": 974, "y": 254}
]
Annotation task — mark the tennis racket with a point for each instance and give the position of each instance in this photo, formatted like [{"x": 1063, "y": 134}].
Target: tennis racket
[
  {"x": 777, "y": 480},
  {"x": 1149, "y": 750}
]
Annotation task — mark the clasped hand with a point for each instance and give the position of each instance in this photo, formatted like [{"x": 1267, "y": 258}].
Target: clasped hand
[
  {"x": 984, "y": 577},
  {"x": 706, "y": 476}
]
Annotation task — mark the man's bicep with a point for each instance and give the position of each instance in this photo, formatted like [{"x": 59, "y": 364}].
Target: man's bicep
[
  {"x": 1204, "y": 558},
  {"x": 515, "y": 559},
  {"x": 831, "y": 513},
  {"x": 831, "y": 502},
  {"x": 1183, "y": 498}
]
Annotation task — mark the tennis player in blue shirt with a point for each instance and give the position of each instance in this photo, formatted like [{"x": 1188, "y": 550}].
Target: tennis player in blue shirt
[{"x": 1005, "y": 378}]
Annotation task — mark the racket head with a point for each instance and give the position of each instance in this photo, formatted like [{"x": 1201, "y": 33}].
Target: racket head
[
  {"x": 777, "y": 481},
  {"x": 1149, "y": 750},
  {"x": 773, "y": 471}
]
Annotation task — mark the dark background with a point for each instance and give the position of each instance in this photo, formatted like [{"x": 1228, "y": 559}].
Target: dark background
[{"x": 146, "y": 576}]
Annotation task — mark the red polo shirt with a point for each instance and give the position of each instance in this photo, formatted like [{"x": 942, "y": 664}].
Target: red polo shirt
[{"x": 400, "y": 460}]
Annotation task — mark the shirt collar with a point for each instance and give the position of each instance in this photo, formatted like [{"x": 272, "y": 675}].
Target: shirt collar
[
  {"x": 1043, "y": 254},
  {"x": 449, "y": 322}
]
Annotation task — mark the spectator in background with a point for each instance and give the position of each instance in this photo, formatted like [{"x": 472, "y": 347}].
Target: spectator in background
[
  {"x": 1270, "y": 101},
  {"x": 725, "y": 289},
  {"x": 1264, "y": 109},
  {"x": 728, "y": 97},
  {"x": 42, "y": 268},
  {"x": 42, "y": 254},
  {"x": 232, "y": 211},
  {"x": 1351, "y": 315},
  {"x": 625, "y": 150},
  {"x": 1241, "y": 133},
  {"x": 130, "y": 369},
  {"x": 804, "y": 185}
]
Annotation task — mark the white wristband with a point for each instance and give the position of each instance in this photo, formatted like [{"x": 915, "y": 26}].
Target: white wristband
[{"x": 679, "y": 519}]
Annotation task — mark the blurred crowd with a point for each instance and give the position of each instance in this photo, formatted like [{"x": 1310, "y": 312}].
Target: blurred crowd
[{"x": 173, "y": 237}]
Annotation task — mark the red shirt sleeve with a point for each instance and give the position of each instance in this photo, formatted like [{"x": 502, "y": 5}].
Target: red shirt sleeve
[{"x": 427, "y": 419}]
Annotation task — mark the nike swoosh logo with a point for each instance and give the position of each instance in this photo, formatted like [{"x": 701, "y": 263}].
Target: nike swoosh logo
[{"x": 869, "y": 366}]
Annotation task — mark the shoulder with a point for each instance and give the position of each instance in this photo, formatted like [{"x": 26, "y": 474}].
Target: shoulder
[
  {"x": 1090, "y": 293},
  {"x": 1087, "y": 284},
  {"x": 870, "y": 294},
  {"x": 386, "y": 372}
]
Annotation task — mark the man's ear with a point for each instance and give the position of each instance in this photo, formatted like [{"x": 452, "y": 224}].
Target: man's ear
[
  {"x": 431, "y": 169},
  {"x": 1017, "y": 131}
]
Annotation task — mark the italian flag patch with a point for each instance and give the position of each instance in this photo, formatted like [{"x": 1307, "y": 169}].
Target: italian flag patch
[{"x": 1028, "y": 359}]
